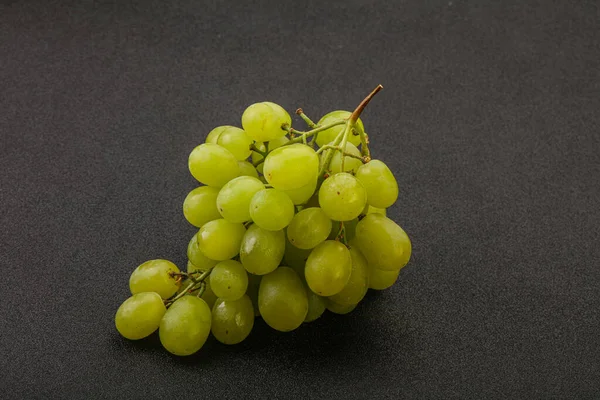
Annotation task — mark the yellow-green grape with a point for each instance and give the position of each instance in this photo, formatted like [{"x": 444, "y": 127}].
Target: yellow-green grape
[
  {"x": 369, "y": 209},
  {"x": 328, "y": 268},
  {"x": 220, "y": 239},
  {"x": 185, "y": 326},
  {"x": 273, "y": 144},
  {"x": 198, "y": 260},
  {"x": 339, "y": 308},
  {"x": 351, "y": 164},
  {"x": 261, "y": 250},
  {"x": 271, "y": 209},
  {"x": 383, "y": 243},
  {"x": 316, "y": 306},
  {"x": 200, "y": 206},
  {"x": 236, "y": 141},
  {"x": 291, "y": 167},
  {"x": 358, "y": 284},
  {"x": 263, "y": 121},
  {"x": 213, "y": 165},
  {"x": 213, "y": 136},
  {"x": 308, "y": 228},
  {"x": 140, "y": 315},
  {"x": 209, "y": 296},
  {"x": 330, "y": 134},
  {"x": 233, "y": 201},
  {"x": 380, "y": 279},
  {"x": 379, "y": 182},
  {"x": 252, "y": 291},
  {"x": 247, "y": 169},
  {"x": 342, "y": 197},
  {"x": 282, "y": 299},
  {"x": 349, "y": 229},
  {"x": 229, "y": 280},
  {"x": 295, "y": 258},
  {"x": 155, "y": 276},
  {"x": 232, "y": 320},
  {"x": 302, "y": 194}
]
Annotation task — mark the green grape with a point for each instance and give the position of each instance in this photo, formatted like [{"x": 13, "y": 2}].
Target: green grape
[
  {"x": 380, "y": 279},
  {"x": 247, "y": 169},
  {"x": 229, "y": 280},
  {"x": 351, "y": 164},
  {"x": 357, "y": 285},
  {"x": 271, "y": 209},
  {"x": 383, "y": 243},
  {"x": 213, "y": 136},
  {"x": 330, "y": 134},
  {"x": 295, "y": 258},
  {"x": 369, "y": 209},
  {"x": 233, "y": 201},
  {"x": 236, "y": 141},
  {"x": 291, "y": 167},
  {"x": 140, "y": 315},
  {"x": 379, "y": 182},
  {"x": 220, "y": 239},
  {"x": 252, "y": 291},
  {"x": 349, "y": 229},
  {"x": 282, "y": 299},
  {"x": 339, "y": 308},
  {"x": 263, "y": 121},
  {"x": 155, "y": 276},
  {"x": 313, "y": 201},
  {"x": 316, "y": 306},
  {"x": 200, "y": 206},
  {"x": 328, "y": 268},
  {"x": 261, "y": 250},
  {"x": 185, "y": 326},
  {"x": 209, "y": 296},
  {"x": 273, "y": 144},
  {"x": 232, "y": 320},
  {"x": 342, "y": 197},
  {"x": 195, "y": 257},
  {"x": 302, "y": 194},
  {"x": 308, "y": 228},
  {"x": 213, "y": 165}
]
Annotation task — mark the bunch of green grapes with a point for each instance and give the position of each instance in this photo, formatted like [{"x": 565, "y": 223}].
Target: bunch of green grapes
[{"x": 290, "y": 224}]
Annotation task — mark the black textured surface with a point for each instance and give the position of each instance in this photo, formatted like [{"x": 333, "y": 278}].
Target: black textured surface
[{"x": 490, "y": 119}]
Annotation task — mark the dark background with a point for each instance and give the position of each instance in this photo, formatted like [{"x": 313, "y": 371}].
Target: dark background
[{"x": 490, "y": 120}]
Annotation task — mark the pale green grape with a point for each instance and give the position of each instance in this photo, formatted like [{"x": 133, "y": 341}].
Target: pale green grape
[
  {"x": 263, "y": 121},
  {"x": 329, "y": 135},
  {"x": 236, "y": 141},
  {"x": 273, "y": 144},
  {"x": 213, "y": 165},
  {"x": 185, "y": 326},
  {"x": 261, "y": 250},
  {"x": 198, "y": 260},
  {"x": 302, "y": 194},
  {"x": 351, "y": 164},
  {"x": 357, "y": 285},
  {"x": 155, "y": 276},
  {"x": 282, "y": 299},
  {"x": 271, "y": 209},
  {"x": 380, "y": 279},
  {"x": 213, "y": 136},
  {"x": 339, "y": 308},
  {"x": 349, "y": 229},
  {"x": 316, "y": 306},
  {"x": 308, "y": 228},
  {"x": 379, "y": 182},
  {"x": 383, "y": 243},
  {"x": 232, "y": 320},
  {"x": 229, "y": 280},
  {"x": 342, "y": 197},
  {"x": 328, "y": 268},
  {"x": 295, "y": 258},
  {"x": 140, "y": 315},
  {"x": 200, "y": 206},
  {"x": 291, "y": 167},
  {"x": 220, "y": 239},
  {"x": 233, "y": 201},
  {"x": 247, "y": 169},
  {"x": 252, "y": 291},
  {"x": 369, "y": 209}
]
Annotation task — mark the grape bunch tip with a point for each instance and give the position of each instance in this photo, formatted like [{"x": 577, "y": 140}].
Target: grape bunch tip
[{"x": 290, "y": 223}]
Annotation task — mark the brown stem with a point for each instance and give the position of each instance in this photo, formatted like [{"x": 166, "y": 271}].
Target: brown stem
[{"x": 356, "y": 113}]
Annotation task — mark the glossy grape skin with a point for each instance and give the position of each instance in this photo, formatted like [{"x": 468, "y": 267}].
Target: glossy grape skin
[
  {"x": 302, "y": 194},
  {"x": 330, "y": 134},
  {"x": 271, "y": 209},
  {"x": 263, "y": 121},
  {"x": 197, "y": 258},
  {"x": 308, "y": 228},
  {"x": 213, "y": 136},
  {"x": 351, "y": 164},
  {"x": 282, "y": 299},
  {"x": 342, "y": 197},
  {"x": 140, "y": 315},
  {"x": 261, "y": 251},
  {"x": 291, "y": 167},
  {"x": 252, "y": 291},
  {"x": 247, "y": 169},
  {"x": 200, "y": 206},
  {"x": 233, "y": 201},
  {"x": 339, "y": 308},
  {"x": 229, "y": 280},
  {"x": 155, "y": 276},
  {"x": 236, "y": 141},
  {"x": 185, "y": 326},
  {"x": 232, "y": 320},
  {"x": 328, "y": 268},
  {"x": 273, "y": 144},
  {"x": 358, "y": 284},
  {"x": 380, "y": 279},
  {"x": 213, "y": 165},
  {"x": 316, "y": 306},
  {"x": 384, "y": 244},
  {"x": 220, "y": 239},
  {"x": 379, "y": 183}
]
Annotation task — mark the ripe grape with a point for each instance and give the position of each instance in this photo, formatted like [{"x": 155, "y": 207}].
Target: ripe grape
[
  {"x": 316, "y": 306},
  {"x": 140, "y": 315},
  {"x": 236, "y": 141},
  {"x": 282, "y": 299},
  {"x": 213, "y": 165},
  {"x": 351, "y": 164},
  {"x": 358, "y": 284},
  {"x": 295, "y": 258},
  {"x": 155, "y": 276},
  {"x": 213, "y": 136},
  {"x": 263, "y": 121},
  {"x": 339, "y": 308},
  {"x": 342, "y": 197},
  {"x": 271, "y": 209},
  {"x": 185, "y": 326},
  {"x": 380, "y": 279},
  {"x": 308, "y": 228},
  {"x": 200, "y": 206},
  {"x": 369, "y": 209},
  {"x": 229, "y": 280},
  {"x": 220, "y": 239},
  {"x": 198, "y": 260},
  {"x": 384, "y": 244},
  {"x": 302, "y": 194},
  {"x": 273, "y": 144},
  {"x": 328, "y": 268},
  {"x": 261, "y": 250},
  {"x": 291, "y": 167},
  {"x": 232, "y": 320},
  {"x": 252, "y": 291},
  {"x": 379, "y": 182},
  {"x": 233, "y": 201},
  {"x": 329, "y": 135},
  {"x": 247, "y": 169}
]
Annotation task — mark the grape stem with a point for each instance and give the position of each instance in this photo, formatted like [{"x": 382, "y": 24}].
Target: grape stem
[
  {"x": 339, "y": 148},
  {"x": 259, "y": 151},
  {"x": 189, "y": 288},
  {"x": 305, "y": 135},
  {"x": 341, "y": 235},
  {"x": 308, "y": 121}
]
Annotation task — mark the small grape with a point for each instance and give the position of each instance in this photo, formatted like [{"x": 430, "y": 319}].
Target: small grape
[
  {"x": 339, "y": 308},
  {"x": 200, "y": 206},
  {"x": 155, "y": 276},
  {"x": 233, "y": 201},
  {"x": 316, "y": 306},
  {"x": 198, "y": 260},
  {"x": 330, "y": 134},
  {"x": 379, "y": 182},
  {"x": 291, "y": 167},
  {"x": 261, "y": 250},
  {"x": 232, "y": 320},
  {"x": 384, "y": 244},
  {"x": 358, "y": 284},
  {"x": 220, "y": 239},
  {"x": 295, "y": 258},
  {"x": 263, "y": 121},
  {"x": 351, "y": 164},
  {"x": 247, "y": 169},
  {"x": 209, "y": 296},
  {"x": 140, "y": 315},
  {"x": 308, "y": 228},
  {"x": 213, "y": 136},
  {"x": 213, "y": 165},
  {"x": 302, "y": 194},
  {"x": 271, "y": 209},
  {"x": 185, "y": 326},
  {"x": 229, "y": 280},
  {"x": 369, "y": 209},
  {"x": 328, "y": 268},
  {"x": 252, "y": 291},
  {"x": 380, "y": 279},
  {"x": 236, "y": 141},
  {"x": 282, "y": 299},
  {"x": 342, "y": 197}
]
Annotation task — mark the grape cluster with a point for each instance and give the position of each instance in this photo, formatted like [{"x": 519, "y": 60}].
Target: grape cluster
[{"x": 290, "y": 223}]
